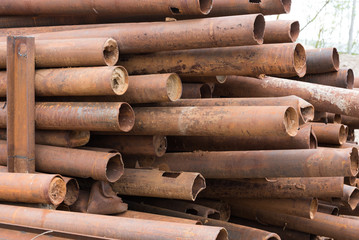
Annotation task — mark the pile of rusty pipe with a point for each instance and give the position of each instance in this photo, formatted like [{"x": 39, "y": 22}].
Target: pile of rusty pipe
[
  {"x": 343, "y": 78},
  {"x": 204, "y": 79},
  {"x": 93, "y": 225},
  {"x": 305, "y": 139},
  {"x": 235, "y": 231},
  {"x": 322, "y": 187},
  {"x": 32, "y": 188},
  {"x": 107, "y": 8},
  {"x": 89, "y": 81},
  {"x": 331, "y": 133},
  {"x": 71, "y": 52},
  {"x": 239, "y": 7},
  {"x": 174, "y": 35},
  {"x": 154, "y": 183},
  {"x": 72, "y": 191},
  {"x": 323, "y": 162},
  {"x": 281, "y": 31},
  {"x": 304, "y": 109},
  {"x": 74, "y": 162},
  {"x": 216, "y": 121},
  {"x": 196, "y": 90},
  {"x": 132, "y": 145},
  {"x": 89, "y": 116},
  {"x": 324, "y": 98},
  {"x": 322, "y": 60},
  {"x": 286, "y": 59},
  {"x": 58, "y": 138},
  {"x": 306, "y": 208}
]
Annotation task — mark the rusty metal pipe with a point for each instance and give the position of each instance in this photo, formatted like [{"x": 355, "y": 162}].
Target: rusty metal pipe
[
  {"x": 328, "y": 209},
  {"x": 196, "y": 90},
  {"x": 132, "y": 145},
  {"x": 334, "y": 118},
  {"x": 330, "y": 133},
  {"x": 323, "y": 98},
  {"x": 352, "y": 122},
  {"x": 304, "y": 109},
  {"x": 281, "y": 31},
  {"x": 260, "y": 164},
  {"x": 322, "y": 60},
  {"x": 93, "y": 116},
  {"x": 32, "y": 188},
  {"x": 216, "y": 121},
  {"x": 97, "y": 165},
  {"x": 343, "y": 78},
  {"x": 154, "y": 183},
  {"x": 93, "y": 225},
  {"x": 322, "y": 187},
  {"x": 287, "y": 59},
  {"x": 72, "y": 191},
  {"x": 222, "y": 207},
  {"x": 349, "y": 200}
]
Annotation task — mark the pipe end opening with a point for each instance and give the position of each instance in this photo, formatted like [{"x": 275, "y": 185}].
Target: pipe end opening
[
  {"x": 335, "y": 58},
  {"x": 160, "y": 145},
  {"x": 72, "y": 192},
  {"x": 174, "y": 87},
  {"x": 354, "y": 161},
  {"x": 221, "y": 79},
  {"x": 313, "y": 141},
  {"x": 205, "y": 91},
  {"x": 350, "y": 79},
  {"x": 300, "y": 64},
  {"x": 307, "y": 113},
  {"x": 57, "y": 190},
  {"x": 111, "y": 52},
  {"x": 119, "y": 80},
  {"x": 313, "y": 208},
  {"x": 258, "y": 29},
  {"x": 114, "y": 168},
  {"x": 291, "y": 121},
  {"x": 198, "y": 185},
  {"x": 294, "y": 31},
  {"x": 287, "y": 4},
  {"x": 343, "y": 134},
  {"x": 205, "y": 6},
  {"x": 126, "y": 117},
  {"x": 222, "y": 235}
]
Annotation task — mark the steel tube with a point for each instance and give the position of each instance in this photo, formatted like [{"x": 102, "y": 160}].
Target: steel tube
[
  {"x": 334, "y": 118},
  {"x": 286, "y": 59},
  {"x": 116, "y": 227},
  {"x": 222, "y": 207},
  {"x": 328, "y": 209},
  {"x": 196, "y": 90},
  {"x": 80, "y": 116},
  {"x": 323, "y": 98},
  {"x": 322, "y": 60},
  {"x": 204, "y": 79},
  {"x": 281, "y": 31},
  {"x": 216, "y": 121},
  {"x": 330, "y": 133},
  {"x": 32, "y": 188},
  {"x": 352, "y": 122},
  {"x": 154, "y": 183},
  {"x": 260, "y": 164},
  {"x": 72, "y": 191},
  {"x": 322, "y": 187},
  {"x": 98, "y": 165}
]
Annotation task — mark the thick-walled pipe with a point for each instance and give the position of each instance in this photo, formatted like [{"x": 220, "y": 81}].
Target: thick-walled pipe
[
  {"x": 323, "y": 98},
  {"x": 71, "y": 52},
  {"x": 154, "y": 183},
  {"x": 196, "y": 90},
  {"x": 350, "y": 198},
  {"x": 305, "y": 139},
  {"x": 216, "y": 121},
  {"x": 304, "y": 109},
  {"x": 116, "y": 227},
  {"x": 32, "y": 188},
  {"x": 322, "y": 187},
  {"x": 260, "y": 164},
  {"x": 58, "y": 138},
  {"x": 344, "y": 78},
  {"x": 281, "y": 31},
  {"x": 204, "y": 79},
  {"x": 132, "y": 145},
  {"x": 74, "y": 162},
  {"x": 322, "y": 60},
  {"x": 93, "y": 116},
  {"x": 287, "y": 59},
  {"x": 330, "y": 133},
  {"x": 72, "y": 191},
  {"x": 88, "y": 81},
  {"x": 306, "y": 208}
]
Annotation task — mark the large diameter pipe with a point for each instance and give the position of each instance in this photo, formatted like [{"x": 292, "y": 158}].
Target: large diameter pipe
[
  {"x": 322, "y": 60},
  {"x": 323, "y": 98},
  {"x": 97, "y": 165},
  {"x": 216, "y": 121},
  {"x": 93, "y": 116},
  {"x": 154, "y": 183},
  {"x": 304, "y": 109},
  {"x": 32, "y": 188},
  {"x": 322, "y": 187},
  {"x": 90, "y": 81},
  {"x": 286, "y": 59},
  {"x": 281, "y": 31},
  {"x": 330, "y": 133},
  {"x": 116, "y": 227},
  {"x": 71, "y": 52},
  {"x": 260, "y": 164}
]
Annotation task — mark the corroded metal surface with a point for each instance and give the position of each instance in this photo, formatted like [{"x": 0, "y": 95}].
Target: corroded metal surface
[
  {"x": 204, "y": 79},
  {"x": 196, "y": 90},
  {"x": 330, "y": 133},
  {"x": 281, "y": 31},
  {"x": 322, "y": 60},
  {"x": 154, "y": 183}
]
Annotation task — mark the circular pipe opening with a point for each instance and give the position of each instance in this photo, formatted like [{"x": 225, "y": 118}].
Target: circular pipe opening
[
  {"x": 221, "y": 79},
  {"x": 300, "y": 64},
  {"x": 111, "y": 52},
  {"x": 126, "y": 117},
  {"x": 307, "y": 113},
  {"x": 335, "y": 59},
  {"x": 72, "y": 191},
  {"x": 114, "y": 168},
  {"x": 198, "y": 185},
  {"x": 160, "y": 145},
  {"x": 337, "y": 118},
  {"x": 313, "y": 208},
  {"x": 286, "y": 5},
  {"x": 258, "y": 28},
  {"x": 57, "y": 190},
  {"x": 291, "y": 122},
  {"x": 335, "y": 211},
  {"x": 294, "y": 31},
  {"x": 222, "y": 234},
  {"x": 78, "y": 138},
  {"x": 272, "y": 236},
  {"x": 174, "y": 87},
  {"x": 119, "y": 80},
  {"x": 354, "y": 199},
  {"x": 343, "y": 134},
  {"x": 313, "y": 142},
  {"x": 350, "y": 79},
  {"x": 205, "y": 6},
  {"x": 354, "y": 161},
  {"x": 205, "y": 91}
]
